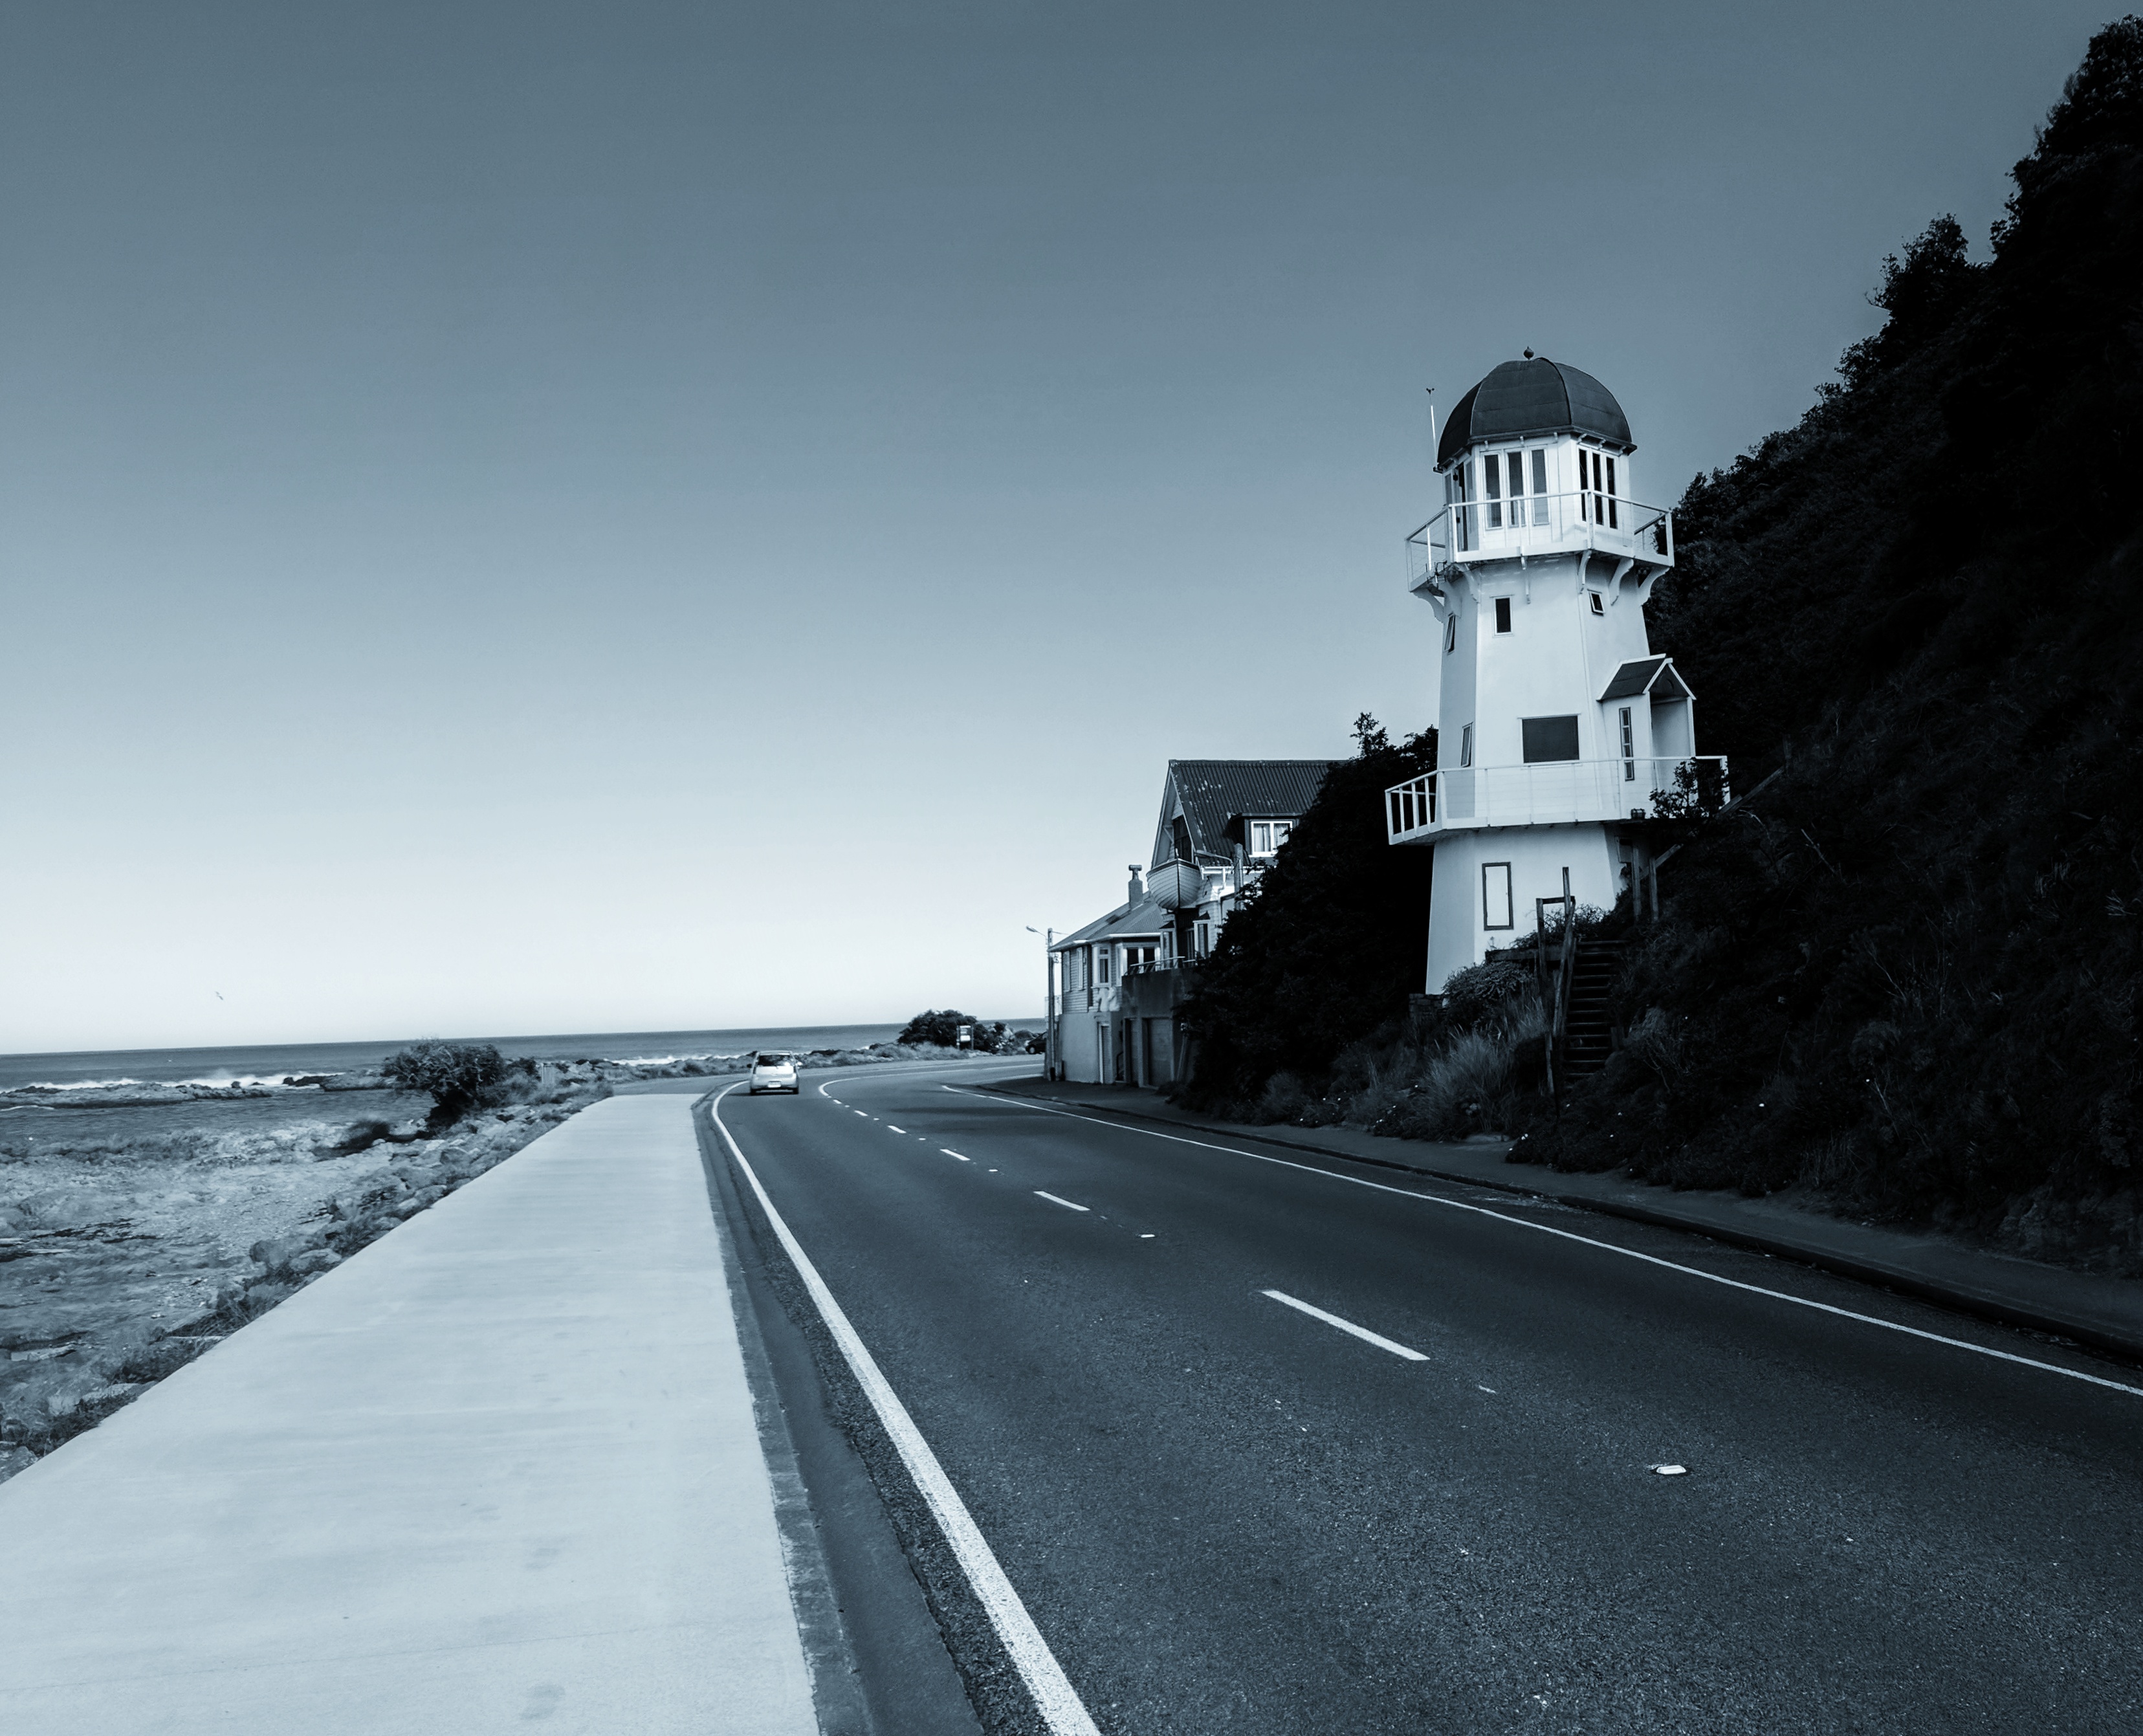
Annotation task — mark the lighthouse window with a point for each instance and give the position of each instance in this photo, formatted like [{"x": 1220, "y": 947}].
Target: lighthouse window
[
  {"x": 1628, "y": 746},
  {"x": 1598, "y": 608},
  {"x": 1491, "y": 485},
  {"x": 1549, "y": 738},
  {"x": 1540, "y": 478},
  {"x": 1451, "y": 633},
  {"x": 1495, "y": 895},
  {"x": 1466, "y": 745},
  {"x": 1502, "y": 616},
  {"x": 1599, "y": 497}
]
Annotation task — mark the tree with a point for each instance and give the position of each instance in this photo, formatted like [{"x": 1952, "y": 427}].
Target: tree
[
  {"x": 943, "y": 1029},
  {"x": 457, "y": 1078},
  {"x": 1331, "y": 942}
]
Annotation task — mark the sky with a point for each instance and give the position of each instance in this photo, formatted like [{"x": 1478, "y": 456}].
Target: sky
[{"x": 526, "y": 518}]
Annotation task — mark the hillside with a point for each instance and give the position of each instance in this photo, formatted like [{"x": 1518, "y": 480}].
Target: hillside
[{"x": 1905, "y": 972}]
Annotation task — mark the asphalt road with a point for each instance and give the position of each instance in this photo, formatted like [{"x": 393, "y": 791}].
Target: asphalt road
[{"x": 1224, "y": 1513}]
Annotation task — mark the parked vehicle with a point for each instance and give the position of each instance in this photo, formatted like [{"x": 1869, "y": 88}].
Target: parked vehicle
[{"x": 773, "y": 1073}]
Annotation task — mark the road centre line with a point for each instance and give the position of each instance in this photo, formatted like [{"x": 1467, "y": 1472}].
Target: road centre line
[
  {"x": 1568, "y": 1235},
  {"x": 1362, "y": 1333},
  {"x": 950, "y": 1152},
  {"x": 1054, "y": 1698},
  {"x": 1054, "y": 1200},
  {"x": 890, "y": 1128}
]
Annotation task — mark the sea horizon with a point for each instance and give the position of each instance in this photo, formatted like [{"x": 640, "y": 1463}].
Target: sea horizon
[{"x": 223, "y": 1062}]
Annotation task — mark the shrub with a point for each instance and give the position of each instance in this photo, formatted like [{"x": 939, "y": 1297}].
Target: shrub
[
  {"x": 1479, "y": 990},
  {"x": 457, "y": 1078}
]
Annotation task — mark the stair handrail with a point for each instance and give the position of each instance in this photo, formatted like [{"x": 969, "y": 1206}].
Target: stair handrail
[{"x": 1566, "y": 971}]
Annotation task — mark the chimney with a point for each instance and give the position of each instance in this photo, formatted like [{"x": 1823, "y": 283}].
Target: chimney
[{"x": 1138, "y": 884}]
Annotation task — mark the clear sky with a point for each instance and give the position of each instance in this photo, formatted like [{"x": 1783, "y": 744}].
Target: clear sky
[{"x": 524, "y": 518}]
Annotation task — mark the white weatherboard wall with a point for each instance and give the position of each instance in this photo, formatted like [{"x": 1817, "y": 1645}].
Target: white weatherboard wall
[
  {"x": 1537, "y": 855},
  {"x": 1556, "y": 662},
  {"x": 498, "y": 1471}
]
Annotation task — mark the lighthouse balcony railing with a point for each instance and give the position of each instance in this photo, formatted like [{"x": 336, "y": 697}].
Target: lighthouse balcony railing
[
  {"x": 1535, "y": 525},
  {"x": 1551, "y": 793}
]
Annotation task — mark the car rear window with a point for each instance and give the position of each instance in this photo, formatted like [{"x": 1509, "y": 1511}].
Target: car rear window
[{"x": 773, "y": 1060}]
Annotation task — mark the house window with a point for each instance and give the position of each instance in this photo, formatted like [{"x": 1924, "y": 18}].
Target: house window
[
  {"x": 1629, "y": 750},
  {"x": 1141, "y": 956},
  {"x": 1495, "y": 895},
  {"x": 1201, "y": 936},
  {"x": 1101, "y": 964},
  {"x": 1451, "y": 634},
  {"x": 1598, "y": 608},
  {"x": 1502, "y": 616},
  {"x": 1466, "y": 745},
  {"x": 1267, "y": 836},
  {"x": 1549, "y": 738}
]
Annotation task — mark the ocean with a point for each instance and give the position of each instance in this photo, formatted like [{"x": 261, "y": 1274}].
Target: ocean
[{"x": 90, "y": 1093}]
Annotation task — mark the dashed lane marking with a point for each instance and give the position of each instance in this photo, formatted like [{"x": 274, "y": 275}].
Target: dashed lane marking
[
  {"x": 1054, "y": 1200},
  {"x": 1362, "y": 1333},
  {"x": 1572, "y": 1235},
  {"x": 950, "y": 1152}
]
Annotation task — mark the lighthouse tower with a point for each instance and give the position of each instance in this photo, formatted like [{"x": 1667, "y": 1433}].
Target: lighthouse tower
[{"x": 1557, "y": 724}]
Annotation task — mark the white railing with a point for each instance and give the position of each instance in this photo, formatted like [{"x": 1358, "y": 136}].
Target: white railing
[
  {"x": 1538, "y": 525},
  {"x": 1410, "y": 807},
  {"x": 1556, "y": 792}
]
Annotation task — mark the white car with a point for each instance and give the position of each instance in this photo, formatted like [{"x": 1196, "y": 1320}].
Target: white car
[{"x": 772, "y": 1073}]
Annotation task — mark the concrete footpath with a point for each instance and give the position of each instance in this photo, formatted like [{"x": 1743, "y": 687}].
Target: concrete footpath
[
  {"x": 2105, "y": 1313},
  {"x": 499, "y": 1470}
]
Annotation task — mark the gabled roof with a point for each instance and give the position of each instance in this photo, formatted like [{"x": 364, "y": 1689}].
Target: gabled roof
[
  {"x": 1652, "y": 675},
  {"x": 1213, "y": 792},
  {"x": 1134, "y": 921}
]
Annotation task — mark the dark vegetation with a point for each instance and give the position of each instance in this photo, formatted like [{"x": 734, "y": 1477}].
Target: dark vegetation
[
  {"x": 457, "y": 1078},
  {"x": 1905, "y": 972},
  {"x": 1324, "y": 951},
  {"x": 989, "y": 1037}
]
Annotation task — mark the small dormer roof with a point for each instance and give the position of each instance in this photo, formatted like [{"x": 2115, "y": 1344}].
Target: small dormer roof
[
  {"x": 1652, "y": 676},
  {"x": 1530, "y": 400}
]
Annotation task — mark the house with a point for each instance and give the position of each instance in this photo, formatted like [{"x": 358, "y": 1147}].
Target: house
[{"x": 1116, "y": 982}]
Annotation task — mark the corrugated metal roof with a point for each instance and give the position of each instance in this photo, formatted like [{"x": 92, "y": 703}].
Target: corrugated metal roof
[
  {"x": 1648, "y": 674},
  {"x": 1142, "y": 919},
  {"x": 1532, "y": 399},
  {"x": 1215, "y": 791}
]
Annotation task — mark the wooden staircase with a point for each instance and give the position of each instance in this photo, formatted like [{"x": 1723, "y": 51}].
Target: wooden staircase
[{"x": 1586, "y": 1038}]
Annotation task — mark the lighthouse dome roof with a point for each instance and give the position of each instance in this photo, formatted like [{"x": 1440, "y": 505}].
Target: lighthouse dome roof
[{"x": 1531, "y": 399}]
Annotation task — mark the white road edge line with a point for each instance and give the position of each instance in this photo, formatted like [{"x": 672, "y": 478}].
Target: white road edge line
[
  {"x": 950, "y": 1152},
  {"x": 1054, "y": 1696},
  {"x": 1054, "y": 1200},
  {"x": 1568, "y": 1235},
  {"x": 1362, "y": 1333}
]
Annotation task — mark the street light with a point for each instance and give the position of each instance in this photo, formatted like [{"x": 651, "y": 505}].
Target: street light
[{"x": 1048, "y": 999}]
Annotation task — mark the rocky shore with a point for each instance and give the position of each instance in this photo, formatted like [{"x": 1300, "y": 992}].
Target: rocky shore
[{"x": 129, "y": 1245}]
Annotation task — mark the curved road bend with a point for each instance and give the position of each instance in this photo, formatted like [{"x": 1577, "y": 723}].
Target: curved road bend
[{"x": 1226, "y": 1512}]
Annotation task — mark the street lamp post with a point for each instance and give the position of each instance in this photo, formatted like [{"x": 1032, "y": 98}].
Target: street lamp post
[{"x": 1048, "y": 999}]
